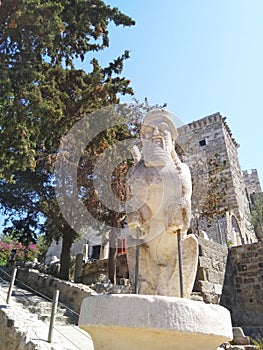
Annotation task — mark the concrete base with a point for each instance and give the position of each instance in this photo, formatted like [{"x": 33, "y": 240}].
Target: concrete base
[{"x": 132, "y": 322}]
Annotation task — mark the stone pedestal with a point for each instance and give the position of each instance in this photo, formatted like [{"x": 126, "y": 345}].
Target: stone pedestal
[{"x": 133, "y": 322}]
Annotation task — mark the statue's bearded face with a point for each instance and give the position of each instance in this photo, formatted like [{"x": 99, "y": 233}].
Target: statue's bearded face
[{"x": 157, "y": 143}]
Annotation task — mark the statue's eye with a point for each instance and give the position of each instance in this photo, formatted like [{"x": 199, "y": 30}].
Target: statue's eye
[
  {"x": 148, "y": 132},
  {"x": 163, "y": 127}
]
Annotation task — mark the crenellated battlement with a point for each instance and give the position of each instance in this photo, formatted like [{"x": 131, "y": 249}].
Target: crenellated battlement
[
  {"x": 252, "y": 181},
  {"x": 204, "y": 122}
]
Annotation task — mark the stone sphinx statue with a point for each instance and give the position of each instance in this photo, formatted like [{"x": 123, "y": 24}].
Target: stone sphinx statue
[{"x": 159, "y": 209}]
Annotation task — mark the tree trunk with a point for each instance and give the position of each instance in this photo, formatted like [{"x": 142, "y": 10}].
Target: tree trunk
[
  {"x": 67, "y": 241},
  {"x": 113, "y": 253}
]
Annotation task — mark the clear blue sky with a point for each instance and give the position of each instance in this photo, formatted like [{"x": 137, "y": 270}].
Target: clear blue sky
[{"x": 200, "y": 57}]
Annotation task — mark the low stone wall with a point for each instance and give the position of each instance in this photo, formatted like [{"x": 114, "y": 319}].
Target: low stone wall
[
  {"x": 211, "y": 270},
  {"x": 233, "y": 277},
  {"x": 243, "y": 288},
  {"x": 228, "y": 297},
  {"x": 91, "y": 271},
  {"x": 71, "y": 294},
  {"x": 248, "y": 263}
]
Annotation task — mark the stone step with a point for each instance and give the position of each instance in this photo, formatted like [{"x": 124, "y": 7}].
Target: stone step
[
  {"x": 43, "y": 308},
  {"x": 40, "y": 304},
  {"x": 58, "y": 319},
  {"x": 62, "y": 315}
]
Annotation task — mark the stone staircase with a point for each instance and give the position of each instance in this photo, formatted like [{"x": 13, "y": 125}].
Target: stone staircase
[
  {"x": 21, "y": 327},
  {"x": 42, "y": 307}
]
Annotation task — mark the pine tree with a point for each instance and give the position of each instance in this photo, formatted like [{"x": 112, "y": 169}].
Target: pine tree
[{"x": 42, "y": 95}]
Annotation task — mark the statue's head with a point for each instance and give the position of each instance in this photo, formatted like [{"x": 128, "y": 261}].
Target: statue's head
[
  {"x": 158, "y": 134},
  {"x": 156, "y": 117}
]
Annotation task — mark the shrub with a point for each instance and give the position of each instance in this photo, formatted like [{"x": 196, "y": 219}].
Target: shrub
[
  {"x": 257, "y": 342},
  {"x": 5, "y": 250},
  {"x": 23, "y": 253}
]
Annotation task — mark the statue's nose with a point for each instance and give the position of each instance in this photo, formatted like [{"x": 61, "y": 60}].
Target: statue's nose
[{"x": 155, "y": 131}]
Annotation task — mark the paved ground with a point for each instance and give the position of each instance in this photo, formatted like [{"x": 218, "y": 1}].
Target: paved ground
[{"x": 65, "y": 337}]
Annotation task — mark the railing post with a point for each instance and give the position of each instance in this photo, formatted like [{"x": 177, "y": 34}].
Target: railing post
[
  {"x": 137, "y": 252},
  {"x": 180, "y": 263},
  {"x": 11, "y": 285},
  {"x": 53, "y": 315}
]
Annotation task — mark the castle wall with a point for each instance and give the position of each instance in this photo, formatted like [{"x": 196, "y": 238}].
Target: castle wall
[
  {"x": 205, "y": 139},
  {"x": 202, "y": 140},
  {"x": 239, "y": 201}
]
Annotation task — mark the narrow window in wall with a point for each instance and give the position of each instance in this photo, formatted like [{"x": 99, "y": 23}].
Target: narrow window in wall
[{"x": 202, "y": 143}]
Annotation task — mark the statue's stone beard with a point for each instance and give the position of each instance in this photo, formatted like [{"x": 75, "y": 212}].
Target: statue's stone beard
[{"x": 157, "y": 152}]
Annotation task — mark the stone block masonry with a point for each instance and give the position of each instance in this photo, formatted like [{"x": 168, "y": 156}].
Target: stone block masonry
[
  {"x": 233, "y": 277},
  {"x": 243, "y": 288},
  {"x": 211, "y": 270},
  {"x": 246, "y": 263},
  {"x": 91, "y": 271}
]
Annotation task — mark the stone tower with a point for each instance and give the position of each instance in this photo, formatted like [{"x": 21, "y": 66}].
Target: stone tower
[
  {"x": 252, "y": 182},
  {"x": 208, "y": 138}
]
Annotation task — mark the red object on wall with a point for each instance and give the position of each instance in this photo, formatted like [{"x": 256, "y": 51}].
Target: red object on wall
[{"x": 121, "y": 246}]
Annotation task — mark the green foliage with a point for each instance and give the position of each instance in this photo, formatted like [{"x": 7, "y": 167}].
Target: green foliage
[
  {"x": 5, "y": 250},
  {"x": 229, "y": 243},
  {"x": 23, "y": 253},
  {"x": 257, "y": 342},
  {"x": 42, "y": 95},
  {"x": 22, "y": 230},
  {"x": 42, "y": 246},
  {"x": 41, "y": 92}
]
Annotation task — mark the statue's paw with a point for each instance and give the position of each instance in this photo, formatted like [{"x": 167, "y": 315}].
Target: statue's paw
[
  {"x": 171, "y": 229},
  {"x": 137, "y": 230}
]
